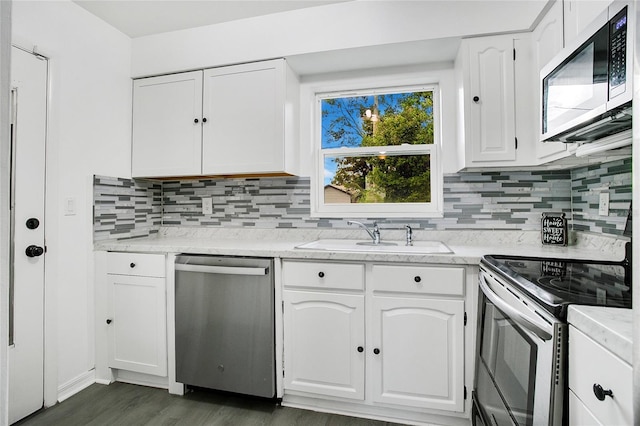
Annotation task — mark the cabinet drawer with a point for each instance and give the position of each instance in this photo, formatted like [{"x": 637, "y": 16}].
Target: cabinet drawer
[
  {"x": 589, "y": 364},
  {"x": 141, "y": 264},
  {"x": 419, "y": 279},
  {"x": 340, "y": 276}
]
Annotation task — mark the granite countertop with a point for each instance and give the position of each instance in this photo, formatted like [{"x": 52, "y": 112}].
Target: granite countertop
[
  {"x": 468, "y": 247},
  {"x": 610, "y": 327}
]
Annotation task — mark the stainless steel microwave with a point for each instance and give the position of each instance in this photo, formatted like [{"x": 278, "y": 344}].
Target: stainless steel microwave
[{"x": 587, "y": 88}]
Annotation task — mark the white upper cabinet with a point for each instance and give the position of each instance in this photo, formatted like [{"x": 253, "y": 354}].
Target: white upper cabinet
[
  {"x": 246, "y": 128},
  {"x": 232, "y": 120},
  {"x": 547, "y": 40},
  {"x": 578, "y": 14},
  {"x": 496, "y": 100},
  {"x": 166, "y": 125}
]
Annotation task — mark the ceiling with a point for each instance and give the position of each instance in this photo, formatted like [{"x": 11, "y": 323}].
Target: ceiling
[{"x": 137, "y": 18}]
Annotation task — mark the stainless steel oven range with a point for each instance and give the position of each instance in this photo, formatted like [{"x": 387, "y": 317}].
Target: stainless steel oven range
[{"x": 522, "y": 333}]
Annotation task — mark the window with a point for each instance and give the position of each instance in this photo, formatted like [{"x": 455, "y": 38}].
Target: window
[{"x": 378, "y": 154}]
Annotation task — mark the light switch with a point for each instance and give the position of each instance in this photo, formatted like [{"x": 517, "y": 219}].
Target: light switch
[
  {"x": 207, "y": 206},
  {"x": 69, "y": 206},
  {"x": 603, "y": 205}
]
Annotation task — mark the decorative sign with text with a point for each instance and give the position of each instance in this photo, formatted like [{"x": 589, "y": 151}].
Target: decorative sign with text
[{"x": 554, "y": 229}]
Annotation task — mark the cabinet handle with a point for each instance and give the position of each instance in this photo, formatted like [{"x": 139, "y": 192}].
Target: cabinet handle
[
  {"x": 132, "y": 265},
  {"x": 196, "y": 121},
  {"x": 376, "y": 351},
  {"x": 600, "y": 393},
  {"x": 417, "y": 278},
  {"x": 476, "y": 99},
  {"x": 360, "y": 349},
  {"x": 321, "y": 274},
  {"x": 204, "y": 120},
  {"x": 109, "y": 321}
]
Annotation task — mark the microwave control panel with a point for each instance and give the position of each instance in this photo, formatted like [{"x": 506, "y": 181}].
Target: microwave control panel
[{"x": 618, "y": 52}]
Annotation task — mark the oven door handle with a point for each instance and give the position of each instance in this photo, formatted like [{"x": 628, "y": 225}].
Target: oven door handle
[{"x": 512, "y": 312}]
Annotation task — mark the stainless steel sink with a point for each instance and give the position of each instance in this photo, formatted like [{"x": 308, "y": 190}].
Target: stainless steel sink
[{"x": 419, "y": 247}]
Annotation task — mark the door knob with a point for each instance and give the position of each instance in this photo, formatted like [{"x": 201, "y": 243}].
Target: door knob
[{"x": 34, "y": 251}]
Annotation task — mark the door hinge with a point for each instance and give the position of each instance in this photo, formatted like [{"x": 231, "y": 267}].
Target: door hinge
[
  {"x": 514, "y": 54},
  {"x": 465, "y": 318},
  {"x": 516, "y": 143},
  {"x": 465, "y": 392}
]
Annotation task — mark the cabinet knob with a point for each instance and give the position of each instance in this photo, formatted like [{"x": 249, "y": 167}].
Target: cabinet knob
[
  {"x": 132, "y": 265},
  {"x": 376, "y": 351},
  {"x": 204, "y": 120},
  {"x": 34, "y": 251},
  {"x": 600, "y": 393},
  {"x": 196, "y": 120},
  {"x": 417, "y": 278},
  {"x": 476, "y": 99},
  {"x": 360, "y": 349},
  {"x": 321, "y": 274},
  {"x": 108, "y": 320}
]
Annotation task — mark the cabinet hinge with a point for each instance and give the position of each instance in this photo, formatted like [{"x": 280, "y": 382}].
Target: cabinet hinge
[
  {"x": 514, "y": 54},
  {"x": 465, "y": 318},
  {"x": 516, "y": 143},
  {"x": 465, "y": 392},
  {"x": 283, "y": 306}
]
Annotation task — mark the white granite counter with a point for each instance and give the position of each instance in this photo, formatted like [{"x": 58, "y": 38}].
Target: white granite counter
[
  {"x": 468, "y": 246},
  {"x": 610, "y": 327}
]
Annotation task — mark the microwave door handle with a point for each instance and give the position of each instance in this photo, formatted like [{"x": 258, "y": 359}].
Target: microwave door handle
[{"x": 512, "y": 312}]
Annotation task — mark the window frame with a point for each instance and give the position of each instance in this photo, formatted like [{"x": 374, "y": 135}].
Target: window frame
[{"x": 432, "y": 209}]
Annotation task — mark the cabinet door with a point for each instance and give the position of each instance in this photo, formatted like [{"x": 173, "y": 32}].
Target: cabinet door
[
  {"x": 167, "y": 128},
  {"x": 244, "y": 108},
  {"x": 420, "y": 355},
  {"x": 322, "y": 336},
  {"x": 137, "y": 328},
  {"x": 491, "y": 100},
  {"x": 547, "y": 41},
  {"x": 578, "y": 14}
]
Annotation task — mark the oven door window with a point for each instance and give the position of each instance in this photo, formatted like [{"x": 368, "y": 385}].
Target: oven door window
[{"x": 510, "y": 357}]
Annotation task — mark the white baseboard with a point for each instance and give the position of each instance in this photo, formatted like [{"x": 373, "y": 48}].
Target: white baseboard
[{"x": 76, "y": 384}]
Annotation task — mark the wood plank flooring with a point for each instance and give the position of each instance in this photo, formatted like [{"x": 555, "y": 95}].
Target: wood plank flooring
[{"x": 124, "y": 404}]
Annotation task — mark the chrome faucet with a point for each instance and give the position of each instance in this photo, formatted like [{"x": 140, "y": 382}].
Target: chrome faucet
[
  {"x": 409, "y": 235},
  {"x": 375, "y": 234}
]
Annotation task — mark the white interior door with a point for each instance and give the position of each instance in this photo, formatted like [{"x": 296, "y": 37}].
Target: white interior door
[{"x": 26, "y": 334}]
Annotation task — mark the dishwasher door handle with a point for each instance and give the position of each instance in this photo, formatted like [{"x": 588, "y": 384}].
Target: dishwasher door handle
[{"x": 228, "y": 270}]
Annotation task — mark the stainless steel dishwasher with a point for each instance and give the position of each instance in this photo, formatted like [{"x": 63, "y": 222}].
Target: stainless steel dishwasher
[{"x": 225, "y": 335}]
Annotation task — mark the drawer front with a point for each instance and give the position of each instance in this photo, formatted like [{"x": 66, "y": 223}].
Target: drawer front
[
  {"x": 140, "y": 264},
  {"x": 419, "y": 279},
  {"x": 323, "y": 275},
  {"x": 589, "y": 364}
]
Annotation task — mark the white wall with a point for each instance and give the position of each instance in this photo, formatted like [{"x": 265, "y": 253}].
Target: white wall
[
  {"x": 88, "y": 133},
  {"x": 341, "y": 26}
]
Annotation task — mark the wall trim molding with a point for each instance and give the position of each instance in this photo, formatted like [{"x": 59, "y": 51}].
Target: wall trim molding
[{"x": 75, "y": 385}]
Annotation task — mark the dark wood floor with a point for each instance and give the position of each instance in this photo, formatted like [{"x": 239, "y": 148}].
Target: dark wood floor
[{"x": 124, "y": 404}]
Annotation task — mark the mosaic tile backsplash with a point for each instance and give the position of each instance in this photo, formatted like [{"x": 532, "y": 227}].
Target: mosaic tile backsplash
[
  {"x": 124, "y": 208},
  {"x": 475, "y": 200}
]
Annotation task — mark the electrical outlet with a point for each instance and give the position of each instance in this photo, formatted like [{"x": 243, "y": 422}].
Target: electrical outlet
[
  {"x": 603, "y": 205},
  {"x": 207, "y": 206}
]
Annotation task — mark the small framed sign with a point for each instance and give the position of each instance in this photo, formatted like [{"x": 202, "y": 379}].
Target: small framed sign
[{"x": 554, "y": 229}]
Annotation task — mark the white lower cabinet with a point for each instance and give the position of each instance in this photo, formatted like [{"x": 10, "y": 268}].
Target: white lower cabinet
[
  {"x": 353, "y": 335},
  {"x": 417, "y": 352},
  {"x": 600, "y": 384},
  {"x": 136, "y": 313},
  {"x": 323, "y": 335}
]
